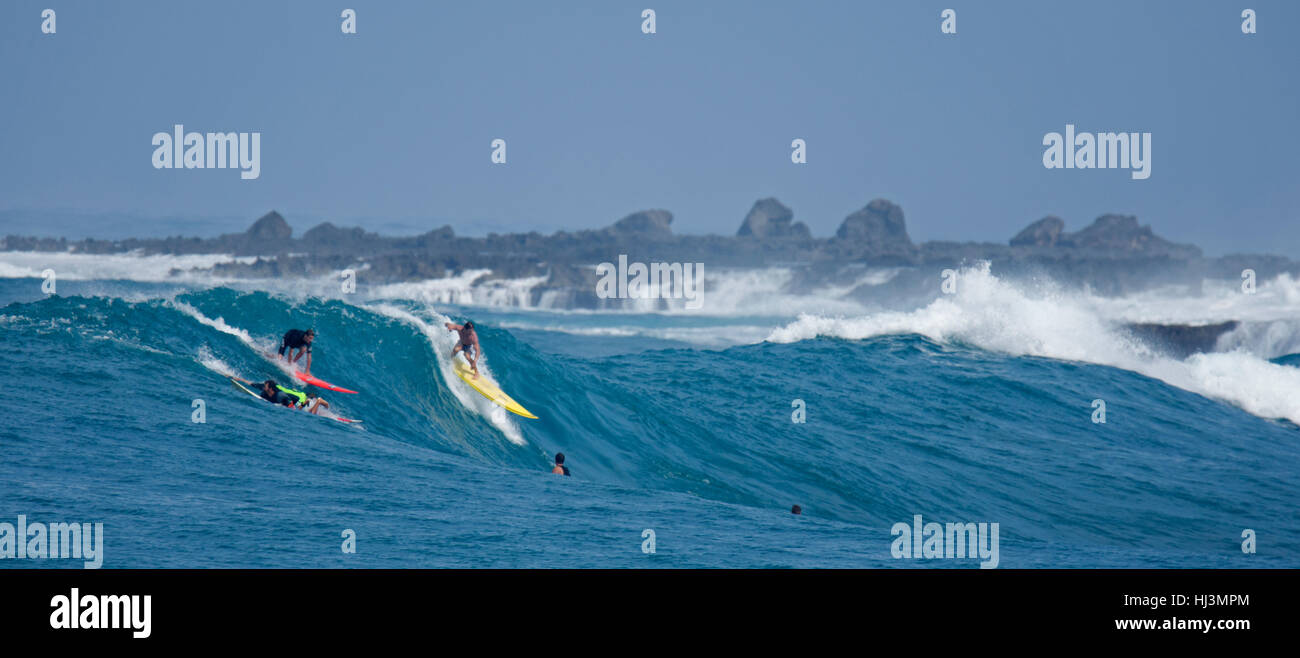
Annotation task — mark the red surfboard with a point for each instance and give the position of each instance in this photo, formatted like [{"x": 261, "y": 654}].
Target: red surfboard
[{"x": 314, "y": 381}]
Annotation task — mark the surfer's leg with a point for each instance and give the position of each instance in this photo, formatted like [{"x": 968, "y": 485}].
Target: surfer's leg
[{"x": 471, "y": 355}]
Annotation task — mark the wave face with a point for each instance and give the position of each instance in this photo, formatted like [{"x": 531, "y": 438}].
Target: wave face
[{"x": 975, "y": 408}]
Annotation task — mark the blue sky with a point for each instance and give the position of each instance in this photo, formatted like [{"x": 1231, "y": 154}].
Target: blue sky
[{"x": 390, "y": 128}]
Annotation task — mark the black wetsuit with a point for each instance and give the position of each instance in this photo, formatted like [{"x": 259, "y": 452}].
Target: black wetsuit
[
  {"x": 294, "y": 339},
  {"x": 281, "y": 398}
]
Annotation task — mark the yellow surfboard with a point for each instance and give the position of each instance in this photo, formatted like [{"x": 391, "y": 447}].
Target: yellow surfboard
[{"x": 489, "y": 389}]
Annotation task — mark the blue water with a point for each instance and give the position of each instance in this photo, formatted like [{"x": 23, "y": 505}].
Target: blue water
[{"x": 695, "y": 444}]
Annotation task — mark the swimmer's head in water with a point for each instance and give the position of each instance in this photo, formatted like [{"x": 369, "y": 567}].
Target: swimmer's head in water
[{"x": 559, "y": 458}]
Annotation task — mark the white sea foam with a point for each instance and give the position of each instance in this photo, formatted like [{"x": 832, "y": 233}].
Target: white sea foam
[
  {"x": 218, "y": 323},
  {"x": 754, "y": 300},
  {"x": 263, "y": 347},
  {"x": 995, "y": 315},
  {"x": 1265, "y": 339},
  {"x": 467, "y": 288},
  {"x": 71, "y": 266},
  {"x": 1269, "y": 319},
  {"x": 727, "y": 292},
  {"x": 211, "y": 362}
]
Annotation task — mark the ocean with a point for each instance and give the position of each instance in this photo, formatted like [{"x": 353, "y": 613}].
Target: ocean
[{"x": 679, "y": 427}]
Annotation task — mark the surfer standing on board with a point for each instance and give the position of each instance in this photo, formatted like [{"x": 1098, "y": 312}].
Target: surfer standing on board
[
  {"x": 468, "y": 342},
  {"x": 297, "y": 339}
]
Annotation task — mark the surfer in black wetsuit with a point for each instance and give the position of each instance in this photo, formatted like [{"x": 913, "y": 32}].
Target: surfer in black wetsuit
[
  {"x": 297, "y": 339},
  {"x": 273, "y": 392},
  {"x": 560, "y": 468},
  {"x": 468, "y": 342},
  {"x": 277, "y": 394}
]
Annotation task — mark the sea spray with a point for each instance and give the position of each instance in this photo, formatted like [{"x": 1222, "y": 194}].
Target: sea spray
[{"x": 992, "y": 314}]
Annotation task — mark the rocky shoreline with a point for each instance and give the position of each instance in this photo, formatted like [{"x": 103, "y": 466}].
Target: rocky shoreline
[{"x": 1111, "y": 256}]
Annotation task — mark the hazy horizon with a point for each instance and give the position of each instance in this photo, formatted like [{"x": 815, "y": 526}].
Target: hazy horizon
[{"x": 391, "y": 127}]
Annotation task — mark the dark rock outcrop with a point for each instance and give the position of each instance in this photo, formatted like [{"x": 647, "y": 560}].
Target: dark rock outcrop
[
  {"x": 1121, "y": 233},
  {"x": 876, "y": 231},
  {"x": 1042, "y": 233},
  {"x": 1107, "y": 237},
  {"x": 653, "y": 224},
  {"x": 327, "y": 238},
  {"x": 270, "y": 227},
  {"x": 771, "y": 219},
  {"x": 327, "y": 234},
  {"x": 871, "y": 254}
]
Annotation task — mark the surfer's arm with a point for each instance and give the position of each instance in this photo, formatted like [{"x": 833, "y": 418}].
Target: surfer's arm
[{"x": 453, "y": 327}]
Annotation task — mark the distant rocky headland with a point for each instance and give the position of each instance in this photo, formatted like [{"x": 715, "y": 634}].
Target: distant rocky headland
[{"x": 1112, "y": 255}]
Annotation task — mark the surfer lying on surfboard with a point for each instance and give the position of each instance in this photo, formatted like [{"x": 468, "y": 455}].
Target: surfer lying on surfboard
[
  {"x": 277, "y": 394},
  {"x": 468, "y": 342},
  {"x": 297, "y": 339}
]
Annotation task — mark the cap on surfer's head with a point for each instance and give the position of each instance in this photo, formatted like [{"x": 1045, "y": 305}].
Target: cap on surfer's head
[{"x": 559, "y": 458}]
